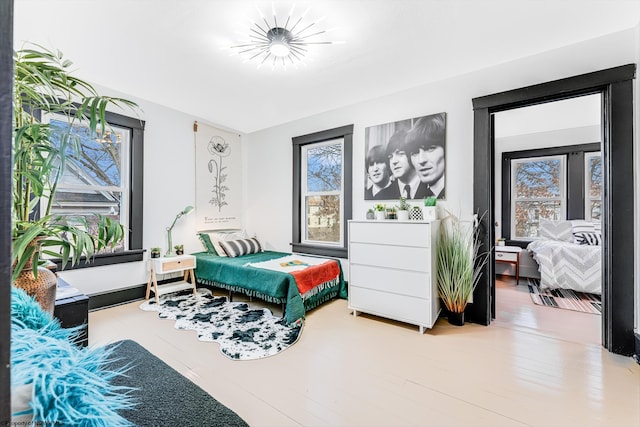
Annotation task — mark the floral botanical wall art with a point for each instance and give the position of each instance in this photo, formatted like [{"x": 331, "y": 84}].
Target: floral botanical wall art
[{"x": 218, "y": 179}]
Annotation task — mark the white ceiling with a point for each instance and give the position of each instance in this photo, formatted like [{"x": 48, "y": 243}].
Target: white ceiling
[{"x": 170, "y": 51}]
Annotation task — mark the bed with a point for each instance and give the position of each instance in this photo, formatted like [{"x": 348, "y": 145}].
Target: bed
[
  {"x": 298, "y": 282},
  {"x": 569, "y": 256}
]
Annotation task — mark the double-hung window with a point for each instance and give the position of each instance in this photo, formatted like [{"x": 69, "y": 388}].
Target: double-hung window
[
  {"x": 538, "y": 191},
  {"x": 102, "y": 175},
  {"x": 555, "y": 183},
  {"x": 322, "y": 192}
]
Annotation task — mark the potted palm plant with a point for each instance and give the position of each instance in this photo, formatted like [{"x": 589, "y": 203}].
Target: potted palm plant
[
  {"x": 44, "y": 83},
  {"x": 459, "y": 264}
]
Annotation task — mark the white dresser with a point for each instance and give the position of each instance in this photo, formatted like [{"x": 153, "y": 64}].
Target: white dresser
[{"x": 392, "y": 270}]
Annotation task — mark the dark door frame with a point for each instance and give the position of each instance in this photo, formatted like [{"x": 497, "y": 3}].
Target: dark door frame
[
  {"x": 6, "y": 130},
  {"x": 616, "y": 86}
]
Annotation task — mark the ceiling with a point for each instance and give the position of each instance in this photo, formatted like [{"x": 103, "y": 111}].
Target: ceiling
[{"x": 171, "y": 52}]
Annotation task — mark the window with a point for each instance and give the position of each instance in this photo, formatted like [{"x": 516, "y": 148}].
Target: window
[
  {"x": 593, "y": 186},
  {"x": 539, "y": 189},
  {"x": 322, "y": 192},
  {"x": 105, "y": 177},
  {"x": 552, "y": 183}
]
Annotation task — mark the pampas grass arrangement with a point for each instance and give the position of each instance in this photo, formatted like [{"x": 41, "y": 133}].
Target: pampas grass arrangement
[{"x": 459, "y": 262}]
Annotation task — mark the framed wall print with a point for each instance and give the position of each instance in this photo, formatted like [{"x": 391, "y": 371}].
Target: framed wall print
[{"x": 406, "y": 159}]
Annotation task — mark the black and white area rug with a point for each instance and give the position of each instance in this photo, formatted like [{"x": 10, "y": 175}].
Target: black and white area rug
[
  {"x": 565, "y": 298},
  {"x": 243, "y": 332}
]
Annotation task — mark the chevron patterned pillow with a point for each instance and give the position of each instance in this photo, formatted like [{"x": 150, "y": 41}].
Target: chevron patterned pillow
[{"x": 556, "y": 230}]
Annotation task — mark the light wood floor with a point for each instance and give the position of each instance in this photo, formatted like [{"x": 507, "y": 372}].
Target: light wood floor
[{"x": 368, "y": 371}]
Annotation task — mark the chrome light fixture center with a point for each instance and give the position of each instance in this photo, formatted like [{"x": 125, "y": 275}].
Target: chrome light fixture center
[{"x": 278, "y": 44}]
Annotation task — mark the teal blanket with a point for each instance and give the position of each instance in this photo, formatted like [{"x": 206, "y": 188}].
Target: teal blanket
[{"x": 272, "y": 286}]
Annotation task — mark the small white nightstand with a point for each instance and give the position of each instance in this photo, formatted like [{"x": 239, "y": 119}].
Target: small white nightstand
[
  {"x": 173, "y": 264},
  {"x": 511, "y": 255}
]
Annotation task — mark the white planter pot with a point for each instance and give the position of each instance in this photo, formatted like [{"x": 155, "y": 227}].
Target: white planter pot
[
  {"x": 380, "y": 215},
  {"x": 429, "y": 213},
  {"x": 403, "y": 215}
]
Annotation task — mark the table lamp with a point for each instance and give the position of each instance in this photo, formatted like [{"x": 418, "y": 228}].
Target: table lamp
[{"x": 186, "y": 210}]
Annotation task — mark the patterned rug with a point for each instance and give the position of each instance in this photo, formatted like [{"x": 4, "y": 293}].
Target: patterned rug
[
  {"x": 565, "y": 298},
  {"x": 243, "y": 332}
]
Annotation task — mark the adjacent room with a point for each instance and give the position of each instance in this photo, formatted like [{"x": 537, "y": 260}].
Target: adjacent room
[{"x": 320, "y": 213}]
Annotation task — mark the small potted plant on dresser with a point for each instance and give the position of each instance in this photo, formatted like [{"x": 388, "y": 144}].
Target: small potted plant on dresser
[
  {"x": 403, "y": 209},
  {"x": 429, "y": 212},
  {"x": 392, "y": 213},
  {"x": 179, "y": 249},
  {"x": 155, "y": 252},
  {"x": 380, "y": 212}
]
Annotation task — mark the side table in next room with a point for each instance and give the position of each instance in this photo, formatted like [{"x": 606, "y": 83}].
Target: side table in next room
[
  {"x": 511, "y": 255},
  {"x": 72, "y": 309}
]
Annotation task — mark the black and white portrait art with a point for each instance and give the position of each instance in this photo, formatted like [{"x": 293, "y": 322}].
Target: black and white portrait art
[{"x": 405, "y": 159}]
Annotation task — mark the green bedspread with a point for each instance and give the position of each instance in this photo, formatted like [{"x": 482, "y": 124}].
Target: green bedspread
[{"x": 272, "y": 286}]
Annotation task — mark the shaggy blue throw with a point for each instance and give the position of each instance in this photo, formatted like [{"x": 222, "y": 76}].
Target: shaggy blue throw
[{"x": 70, "y": 385}]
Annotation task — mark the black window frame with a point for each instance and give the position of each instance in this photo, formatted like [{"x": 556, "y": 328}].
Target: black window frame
[
  {"x": 574, "y": 187},
  {"x": 345, "y": 132},
  {"x": 136, "y": 177}
]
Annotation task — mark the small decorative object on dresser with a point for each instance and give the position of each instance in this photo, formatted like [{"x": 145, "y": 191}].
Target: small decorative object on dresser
[
  {"x": 429, "y": 211},
  {"x": 415, "y": 214},
  {"x": 392, "y": 213},
  {"x": 371, "y": 214},
  {"x": 403, "y": 209},
  {"x": 392, "y": 271},
  {"x": 155, "y": 252},
  {"x": 380, "y": 212},
  {"x": 179, "y": 249}
]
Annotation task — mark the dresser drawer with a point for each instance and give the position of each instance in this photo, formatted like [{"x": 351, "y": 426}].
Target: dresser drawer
[
  {"x": 403, "y": 282},
  {"x": 398, "y": 257},
  {"x": 399, "y": 307},
  {"x": 391, "y": 233},
  {"x": 506, "y": 256}
]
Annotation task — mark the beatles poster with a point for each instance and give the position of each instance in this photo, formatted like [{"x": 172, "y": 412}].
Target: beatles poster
[{"x": 406, "y": 159}]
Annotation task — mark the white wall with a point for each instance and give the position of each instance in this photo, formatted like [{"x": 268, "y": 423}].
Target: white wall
[{"x": 269, "y": 152}]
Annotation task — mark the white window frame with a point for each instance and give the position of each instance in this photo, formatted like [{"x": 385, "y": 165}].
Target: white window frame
[
  {"x": 125, "y": 178},
  {"x": 304, "y": 194},
  {"x": 563, "y": 190}
]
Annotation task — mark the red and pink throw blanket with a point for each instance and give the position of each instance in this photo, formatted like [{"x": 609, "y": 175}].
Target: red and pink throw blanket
[{"x": 311, "y": 274}]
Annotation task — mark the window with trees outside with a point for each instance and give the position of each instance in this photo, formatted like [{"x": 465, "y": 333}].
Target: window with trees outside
[
  {"x": 554, "y": 183},
  {"x": 103, "y": 175},
  {"x": 539, "y": 189},
  {"x": 322, "y": 192},
  {"x": 593, "y": 184}
]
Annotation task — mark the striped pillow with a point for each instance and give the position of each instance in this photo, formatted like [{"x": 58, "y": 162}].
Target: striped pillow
[
  {"x": 234, "y": 248},
  {"x": 588, "y": 238}
]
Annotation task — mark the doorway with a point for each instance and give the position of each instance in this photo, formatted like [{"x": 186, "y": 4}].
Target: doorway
[
  {"x": 615, "y": 87},
  {"x": 547, "y": 167}
]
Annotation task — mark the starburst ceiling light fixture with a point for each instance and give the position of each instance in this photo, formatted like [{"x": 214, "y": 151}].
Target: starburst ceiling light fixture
[{"x": 280, "y": 44}]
